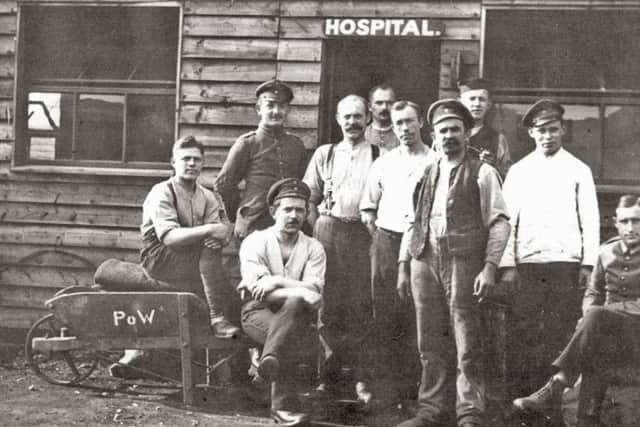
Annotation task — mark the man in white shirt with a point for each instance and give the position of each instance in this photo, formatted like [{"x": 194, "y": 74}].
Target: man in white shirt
[
  {"x": 336, "y": 177},
  {"x": 387, "y": 210},
  {"x": 380, "y": 131},
  {"x": 553, "y": 246}
]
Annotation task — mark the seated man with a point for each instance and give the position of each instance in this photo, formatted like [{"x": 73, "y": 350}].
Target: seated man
[
  {"x": 606, "y": 336},
  {"x": 282, "y": 279},
  {"x": 184, "y": 227}
]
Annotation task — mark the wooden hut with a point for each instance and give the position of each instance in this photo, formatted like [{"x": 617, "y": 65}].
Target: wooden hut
[{"x": 92, "y": 94}]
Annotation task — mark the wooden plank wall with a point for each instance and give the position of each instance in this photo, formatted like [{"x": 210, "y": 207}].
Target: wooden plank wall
[{"x": 55, "y": 228}]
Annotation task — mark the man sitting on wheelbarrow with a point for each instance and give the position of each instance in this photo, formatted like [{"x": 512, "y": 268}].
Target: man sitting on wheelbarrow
[
  {"x": 184, "y": 227},
  {"x": 282, "y": 279}
]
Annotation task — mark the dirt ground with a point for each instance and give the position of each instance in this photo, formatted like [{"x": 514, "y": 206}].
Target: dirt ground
[{"x": 26, "y": 400}]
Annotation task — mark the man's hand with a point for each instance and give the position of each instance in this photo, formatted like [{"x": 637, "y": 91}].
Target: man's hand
[
  {"x": 213, "y": 243},
  {"x": 314, "y": 299},
  {"x": 313, "y": 215},
  {"x": 487, "y": 157},
  {"x": 368, "y": 218},
  {"x": 583, "y": 276},
  {"x": 510, "y": 278},
  {"x": 264, "y": 286},
  {"x": 403, "y": 286},
  {"x": 484, "y": 281}
]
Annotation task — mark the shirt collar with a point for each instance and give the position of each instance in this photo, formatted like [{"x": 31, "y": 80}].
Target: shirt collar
[
  {"x": 270, "y": 132},
  {"x": 559, "y": 155},
  {"x": 629, "y": 251},
  {"x": 345, "y": 146}
]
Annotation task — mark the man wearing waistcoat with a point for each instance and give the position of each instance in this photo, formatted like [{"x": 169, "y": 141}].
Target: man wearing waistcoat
[
  {"x": 608, "y": 335},
  {"x": 485, "y": 143},
  {"x": 451, "y": 255},
  {"x": 553, "y": 247}
]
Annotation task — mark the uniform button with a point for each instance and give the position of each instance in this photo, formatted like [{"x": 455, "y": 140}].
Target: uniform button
[
  {"x": 628, "y": 258},
  {"x": 622, "y": 278},
  {"x": 626, "y": 268}
]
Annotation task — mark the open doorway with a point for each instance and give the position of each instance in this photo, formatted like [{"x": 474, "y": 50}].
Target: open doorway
[{"x": 411, "y": 66}]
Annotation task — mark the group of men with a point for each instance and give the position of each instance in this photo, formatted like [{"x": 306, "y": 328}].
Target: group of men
[{"x": 403, "y": 239}]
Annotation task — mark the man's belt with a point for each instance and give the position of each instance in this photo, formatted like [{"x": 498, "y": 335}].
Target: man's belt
[{"x": 342, "y": 218}]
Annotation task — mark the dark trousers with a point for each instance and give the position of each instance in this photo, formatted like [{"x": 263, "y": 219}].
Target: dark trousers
[
  {"x": 449, "y": 335},
  {"x": 345, "y": 316},
  {"x": 282, "y": 330},
  {"x": 544, "y": 313},
  {"x": 394, "y": 341},
  {"x": 606, "y": 338}
]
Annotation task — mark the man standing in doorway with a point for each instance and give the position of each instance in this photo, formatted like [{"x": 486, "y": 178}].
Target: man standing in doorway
[
  {"x": 460, "y": 230},
  {"x": 380, "y": 132},
  {"x": 553, "y": 247},
  {"x": 260, "y": 158},
  {"x": 337, "y": 175},
  {"x": 485, "y": 143},
  {"x": 387, "y": 210}
]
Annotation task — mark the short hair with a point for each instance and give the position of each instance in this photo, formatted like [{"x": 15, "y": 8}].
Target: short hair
[
  {"x": 628, "y": 201},
  {"x": 352, "y": 97},
  {"x": 403, "y": 103},
  {"x": 188, "y": 141},
  {"x": 383, "y": 86}
]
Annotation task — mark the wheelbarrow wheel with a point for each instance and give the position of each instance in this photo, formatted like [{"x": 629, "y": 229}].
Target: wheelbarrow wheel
[{"x": 57, "y": 367}]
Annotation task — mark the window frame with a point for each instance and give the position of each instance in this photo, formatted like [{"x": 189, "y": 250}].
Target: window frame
[
  {"x": 21, "y": 160},
  {"x": 599, "y": 98}
]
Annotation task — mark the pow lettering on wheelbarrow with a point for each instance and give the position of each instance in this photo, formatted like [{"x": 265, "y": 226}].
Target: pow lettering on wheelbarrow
[{"x": 65, "y": 346}]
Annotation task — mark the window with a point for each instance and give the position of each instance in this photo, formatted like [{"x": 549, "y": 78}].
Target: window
[
  {"x": 585, "y": 59},
  {"x": 97, "y": 85}
]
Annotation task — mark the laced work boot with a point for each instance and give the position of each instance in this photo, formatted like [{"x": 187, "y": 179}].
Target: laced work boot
[{"x": 547, "y": 400}]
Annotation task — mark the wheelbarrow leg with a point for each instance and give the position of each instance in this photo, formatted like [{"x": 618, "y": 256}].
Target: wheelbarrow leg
[{"x": 186, "y": 351}]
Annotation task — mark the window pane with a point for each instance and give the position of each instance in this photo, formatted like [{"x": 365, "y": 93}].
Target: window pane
[
  {"x": 43, "y": 123},
  {"x": 588, "y": 49},
  {"x": 91, "y": 42},
  {"x": 582, "y": 138},
  {"x": 150, "y": 124},
  {"x": 622, "y": 142},
  {"x": 100, "y": 124}
]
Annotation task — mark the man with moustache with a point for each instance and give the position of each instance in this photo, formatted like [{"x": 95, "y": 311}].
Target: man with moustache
[
  {"x": 553, "y": 247},
  {"x": 260, "y": 158},
  {"x": 283, "y": 273},
  {"x": 608, "y": 335},
  {"x": 460, "y": 230},
  {"x": 336, "y": 176},
  {"x": 485, "y": 143},
  {"x": 387, "y": 210},
  {"x": 380, "y": 132}
]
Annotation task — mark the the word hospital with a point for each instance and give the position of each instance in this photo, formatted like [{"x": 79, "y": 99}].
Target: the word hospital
[{"x": 382, "y": 27}]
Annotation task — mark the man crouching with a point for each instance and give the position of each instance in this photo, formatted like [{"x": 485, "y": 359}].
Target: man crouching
[{"x": 282, "y": 279}]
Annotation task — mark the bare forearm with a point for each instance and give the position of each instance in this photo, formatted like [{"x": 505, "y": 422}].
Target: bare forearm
[{"x": 183, "y": 236}]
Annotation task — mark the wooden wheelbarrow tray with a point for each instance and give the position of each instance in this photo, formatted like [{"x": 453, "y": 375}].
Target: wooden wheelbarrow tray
[{"x": 104, "y": 321}]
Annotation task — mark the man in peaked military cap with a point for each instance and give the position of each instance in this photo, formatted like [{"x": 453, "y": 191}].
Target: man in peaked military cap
[
  {"x": 447, "y": 262},
  {"x": 553, "y": 245},
  {"x": 282, "y": 280},
  {"x": 608, "y": 335},
  {"x": 260, "y": 158},
  {"x": 485, "y": 142}
]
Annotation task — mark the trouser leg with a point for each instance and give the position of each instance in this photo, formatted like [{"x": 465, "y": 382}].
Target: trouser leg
[
  {"x": 280, "y": 332},
  {"x": 468, "y": 332},
  {"x": 395, "y": 319},
  {"x": 436, "y": 344},
  {"x": 214, "y": 281}
]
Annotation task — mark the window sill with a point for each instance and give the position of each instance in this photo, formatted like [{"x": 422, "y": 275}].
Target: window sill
[{"x": 82, "y": 170}]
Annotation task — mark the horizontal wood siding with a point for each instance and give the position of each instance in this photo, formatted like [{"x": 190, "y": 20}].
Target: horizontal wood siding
[{"x": 56, "y": 228}]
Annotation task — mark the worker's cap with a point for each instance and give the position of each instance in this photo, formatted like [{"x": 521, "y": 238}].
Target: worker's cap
[
  {"x": 449, "y": 109},
  {"x": 542, "y": 112},
  {"x": 288, "y": 187},
  {"x": 474, "y": 84},
  {"x": 276, "y": 89}
]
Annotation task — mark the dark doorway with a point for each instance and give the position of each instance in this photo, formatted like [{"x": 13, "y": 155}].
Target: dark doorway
[{"x": 411, "y": 66}]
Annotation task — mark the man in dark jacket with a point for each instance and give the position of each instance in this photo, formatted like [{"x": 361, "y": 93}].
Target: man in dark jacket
[
  {"x": 608, "y": 335},
  {"x": 460, "y": 230}
]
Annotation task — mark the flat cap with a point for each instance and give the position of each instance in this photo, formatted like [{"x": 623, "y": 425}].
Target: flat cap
[
  {"x": 288, "y": 187},
  {"x": 474, "y": 84},
  {"x": 542, "y": 112},
  {"x": 449, "y": 109},
  {"x": 277, "y": 88}
]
